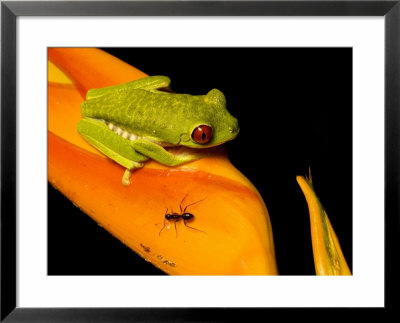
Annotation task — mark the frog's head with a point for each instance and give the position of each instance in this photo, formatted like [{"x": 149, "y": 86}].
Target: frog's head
[{"x": 211, "y": 125}]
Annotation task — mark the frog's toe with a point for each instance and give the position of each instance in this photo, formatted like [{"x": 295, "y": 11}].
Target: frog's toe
[{"x": 126, "y": 179}]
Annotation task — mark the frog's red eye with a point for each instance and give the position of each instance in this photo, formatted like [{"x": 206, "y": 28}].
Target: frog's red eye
[{"x": 202, "y": 134}]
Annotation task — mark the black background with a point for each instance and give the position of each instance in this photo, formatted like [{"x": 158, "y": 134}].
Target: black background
[{"x": 294, "y": 107}]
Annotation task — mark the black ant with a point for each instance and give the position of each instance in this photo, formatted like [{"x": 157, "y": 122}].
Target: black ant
[{"x": 176, "y": 217}]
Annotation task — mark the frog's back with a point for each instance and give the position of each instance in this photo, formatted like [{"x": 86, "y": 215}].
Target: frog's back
[{"x": 141, "y": 111}]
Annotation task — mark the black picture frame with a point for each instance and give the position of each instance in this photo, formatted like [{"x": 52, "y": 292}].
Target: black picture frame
[{"x": 11, "y": 10}]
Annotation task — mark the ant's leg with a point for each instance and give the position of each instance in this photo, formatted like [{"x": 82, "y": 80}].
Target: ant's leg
[
  {"x": 184, "y": 222},
  {"x": 176, "y": 231},
  {"x": 164, "y": 222},
  {"x": 162, "y": 228}
]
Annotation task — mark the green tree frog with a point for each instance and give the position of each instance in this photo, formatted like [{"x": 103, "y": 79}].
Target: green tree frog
[{"x": 138, "y": 120}]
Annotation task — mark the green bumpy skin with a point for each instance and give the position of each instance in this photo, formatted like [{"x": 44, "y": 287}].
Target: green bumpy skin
[{"x": 135, "y": 121}]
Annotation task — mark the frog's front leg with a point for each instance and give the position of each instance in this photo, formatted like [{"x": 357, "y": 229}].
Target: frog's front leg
[
  {"x": 112, "y": 145},
  {"x": 174, "y": 157}
]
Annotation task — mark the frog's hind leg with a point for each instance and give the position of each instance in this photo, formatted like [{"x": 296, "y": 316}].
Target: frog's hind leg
[
  {"x": 112, "y": 145},
  {"x": 150, "y": 83}
]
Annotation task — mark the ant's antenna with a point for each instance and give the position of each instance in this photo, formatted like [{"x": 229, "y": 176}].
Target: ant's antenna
[
  {"x": 180, "y": 205},
  {"x": 193, "y": 204}
]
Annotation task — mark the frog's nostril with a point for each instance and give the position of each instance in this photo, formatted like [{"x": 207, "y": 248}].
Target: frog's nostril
[
  {"x": 233, "y": 126},
  {"x": 234, "y": 129}
]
